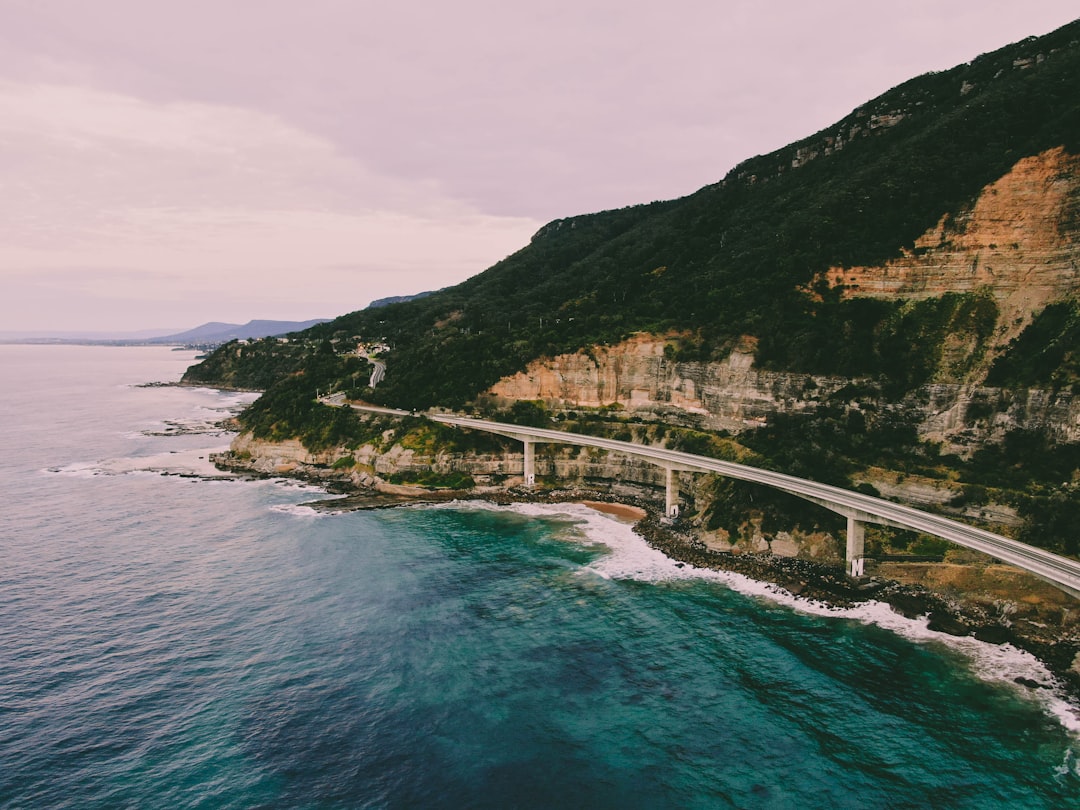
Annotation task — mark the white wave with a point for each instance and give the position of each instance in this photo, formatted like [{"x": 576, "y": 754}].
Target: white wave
[
  {"x": 630, "y": 557},
  {"x": 300, "y": 486},
  {"x": 192, "y": 463},
  {"x": 1070, "y": 765},
  {"x": 297, "y": 510}
]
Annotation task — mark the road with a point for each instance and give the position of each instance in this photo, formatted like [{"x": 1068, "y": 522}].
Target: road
[
  {"x": 1058, "y": 570},
  {"x": 378, "y": 370}
]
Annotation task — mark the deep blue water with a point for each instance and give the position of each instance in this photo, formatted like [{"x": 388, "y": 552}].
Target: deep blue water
[{"x": 167, "y": 641}]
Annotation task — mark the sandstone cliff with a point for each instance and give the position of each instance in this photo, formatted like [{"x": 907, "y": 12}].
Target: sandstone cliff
[
  {"x": 639, "y": 376},
  {"x": 1019, "y": 241},
  {"x": 733, "y": 395}
]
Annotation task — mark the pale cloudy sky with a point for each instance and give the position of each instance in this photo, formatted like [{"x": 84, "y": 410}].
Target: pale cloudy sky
[{"x": 163, "y": 164}]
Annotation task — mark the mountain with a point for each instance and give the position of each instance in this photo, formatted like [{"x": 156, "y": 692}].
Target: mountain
[
  {"x": 895, "y": 297},
  {"x": 398, "y": 299},
  {"x": 63, "y": 336},
  {"x": 216, "y": 332},
  {"x": 758, "y": 258}
]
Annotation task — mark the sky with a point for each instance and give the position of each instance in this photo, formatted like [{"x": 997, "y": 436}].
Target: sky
[{"x": 165, "y": 164}]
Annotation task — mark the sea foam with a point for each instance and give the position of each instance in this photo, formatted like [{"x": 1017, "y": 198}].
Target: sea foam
[{"x": 191, "y": 463}]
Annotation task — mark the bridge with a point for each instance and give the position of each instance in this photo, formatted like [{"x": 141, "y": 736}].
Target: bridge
[{"x": 859, "y": 509}]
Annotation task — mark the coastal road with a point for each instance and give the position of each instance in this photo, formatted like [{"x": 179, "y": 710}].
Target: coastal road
[
  {"x": 378, "y": 368},
  {"x": 378, "y": 372},
  {"x": 1055, "y": 569}
]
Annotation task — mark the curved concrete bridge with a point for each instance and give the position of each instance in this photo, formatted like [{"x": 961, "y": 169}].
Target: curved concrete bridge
[{"x": 859, "y": 509}]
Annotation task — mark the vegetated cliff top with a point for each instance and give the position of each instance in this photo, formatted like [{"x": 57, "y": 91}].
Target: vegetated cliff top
[{"x": 749, "y": 255}]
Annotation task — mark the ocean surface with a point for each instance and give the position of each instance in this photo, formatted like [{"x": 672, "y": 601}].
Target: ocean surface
[{"x": 169, "y": 641}]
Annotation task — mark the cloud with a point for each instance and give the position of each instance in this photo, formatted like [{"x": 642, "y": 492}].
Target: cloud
[
  {"x": 240, "y": 154},
  {"x": 201, "y": 200}
]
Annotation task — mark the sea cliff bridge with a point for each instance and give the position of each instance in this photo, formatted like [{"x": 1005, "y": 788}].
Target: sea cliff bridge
[{"x": 859, "y": 509}]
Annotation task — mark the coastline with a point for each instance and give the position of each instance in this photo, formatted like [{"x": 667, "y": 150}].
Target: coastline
[{"x": 804, "y": 581}]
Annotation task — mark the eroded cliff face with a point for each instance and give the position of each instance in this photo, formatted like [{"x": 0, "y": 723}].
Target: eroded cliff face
[
  {"x": 1020, "y": 240},
  {"x": 370, "y": 464},
  {"x": 733, "y": 395},
  {"x": 636, "y": 374}
]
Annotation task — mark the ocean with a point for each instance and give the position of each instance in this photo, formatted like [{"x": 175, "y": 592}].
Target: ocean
[{"x": 173, "y": 638}]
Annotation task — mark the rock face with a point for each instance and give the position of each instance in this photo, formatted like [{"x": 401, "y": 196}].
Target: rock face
[
  {"x": 369, "y": 463},
  {"x": 639, "y": 376},
  {"x": 564, "y": 466},
  {"x": 1019, "y": 241},
  {"x": 733, "y": 395},
  {"x": 967, "y": 416}
]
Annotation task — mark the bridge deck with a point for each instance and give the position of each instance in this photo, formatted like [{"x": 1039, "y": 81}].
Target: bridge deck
[{"x": 1060, "y": 571}]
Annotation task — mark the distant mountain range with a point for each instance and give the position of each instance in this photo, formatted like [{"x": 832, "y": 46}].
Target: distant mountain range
[
  {"x": 398, "y": 299},
  {"x": 216, "y": 332},
  {"x": 212, "y": 332},
  {"x": 79, "y": 336}
]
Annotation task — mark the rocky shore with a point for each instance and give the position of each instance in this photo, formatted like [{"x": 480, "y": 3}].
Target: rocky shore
[{"x": 1055, "y": 643}]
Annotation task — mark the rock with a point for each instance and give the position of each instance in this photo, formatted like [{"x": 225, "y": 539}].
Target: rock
[
  {"x": 1030, "y": 684},
  {"x": 942, "y": 622},
  {"x": 909, "y": 606},
  {"x": 994, "y": 634}
]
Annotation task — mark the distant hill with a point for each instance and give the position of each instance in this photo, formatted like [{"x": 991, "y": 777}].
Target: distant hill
[
  {"x": 75, "y": 336},
  {"x": 398, "y": 299},
  {"x": 217, "y": 332}
]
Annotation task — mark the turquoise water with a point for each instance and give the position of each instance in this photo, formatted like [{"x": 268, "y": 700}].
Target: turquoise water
[{"x": 168, "y": 641}]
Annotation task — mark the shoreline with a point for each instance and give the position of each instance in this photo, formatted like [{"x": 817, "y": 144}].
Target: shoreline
[{"x": 803, "y": 580}]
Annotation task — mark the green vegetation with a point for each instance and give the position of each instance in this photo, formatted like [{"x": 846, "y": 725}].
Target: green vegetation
[
  {"x": 434, "y": 480},
  {"x": 901, "y": 342},
  {"x": 736, "y": 257},
  {"x": 255, "y": 365},
  {"x": 1046, "y": 354}
]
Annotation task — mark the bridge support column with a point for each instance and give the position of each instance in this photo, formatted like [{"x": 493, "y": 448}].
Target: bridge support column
[
  {"x": 856, "y": 546},
  {"x": 530, "y": 463},
  {"x": 671, "y": 498}
]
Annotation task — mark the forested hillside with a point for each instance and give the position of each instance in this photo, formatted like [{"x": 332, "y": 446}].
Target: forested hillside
[
  {"x": 735, "y": 258},
  {"x": 893, "y": 297}
]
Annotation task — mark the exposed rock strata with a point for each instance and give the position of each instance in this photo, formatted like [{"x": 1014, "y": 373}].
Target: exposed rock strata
[
  {"x": 1019, "y": 241},
  {"x": 637, "y": 375},
  {"x": 733, "y": 395}
]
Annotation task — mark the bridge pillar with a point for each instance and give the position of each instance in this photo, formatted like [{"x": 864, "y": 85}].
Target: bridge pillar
[
  {"x": 530, "y": 463},
  {"x": 671, "y": 497},
  {"x": 856, "y": 546}
]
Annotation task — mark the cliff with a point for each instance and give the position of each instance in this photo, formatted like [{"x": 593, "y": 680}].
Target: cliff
[
  {"x": 1019, "y": 241},
  {"x": 890, "y": 303},
  {"x": 735, "y": 396},
  {"x": 640, "y": 375}
]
